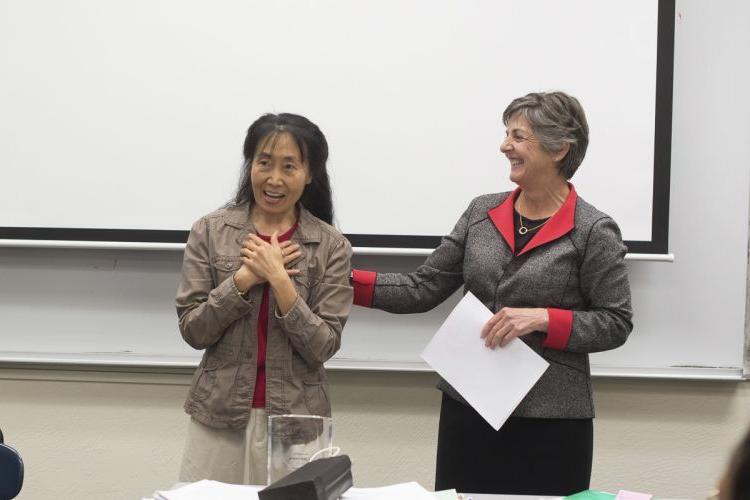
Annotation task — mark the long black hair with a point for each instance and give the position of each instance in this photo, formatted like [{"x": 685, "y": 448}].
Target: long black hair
[{"x": 313, "y": 147}]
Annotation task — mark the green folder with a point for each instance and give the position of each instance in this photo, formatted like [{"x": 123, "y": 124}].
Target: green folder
[{"x": 591, "y": 495}]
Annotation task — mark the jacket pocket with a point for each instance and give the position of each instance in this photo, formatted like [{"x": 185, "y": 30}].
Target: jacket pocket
[
  {"x": 225, "y": 266},
  {"x": 569, "y": 360},
  {"x": 203, "y": 385},
  {"x": 316, "y": 398}
]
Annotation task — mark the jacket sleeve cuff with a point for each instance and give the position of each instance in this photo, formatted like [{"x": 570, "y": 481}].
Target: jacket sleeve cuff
[
  {"x": 230, "y": 300},
  {"x": 293, "y": 314},
  {"x": 559, "y": 328},
  {"x": 364, "y": 287}
]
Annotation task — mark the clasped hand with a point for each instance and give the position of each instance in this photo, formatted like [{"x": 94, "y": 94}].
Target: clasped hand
[
  {"x": 512, "y": 322},
  {"x": 265, "y": 262}
]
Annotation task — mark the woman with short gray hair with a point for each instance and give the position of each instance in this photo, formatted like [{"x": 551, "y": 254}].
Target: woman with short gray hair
[
  {"x": 558, "y": 121},
  {"x": 551, "y": 267}
]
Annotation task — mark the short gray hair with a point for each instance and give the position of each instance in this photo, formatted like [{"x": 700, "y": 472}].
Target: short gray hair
[{"x": 557, "y": 119}]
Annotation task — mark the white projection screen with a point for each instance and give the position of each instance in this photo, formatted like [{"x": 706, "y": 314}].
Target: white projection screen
[{"x": 124, "y": 120}]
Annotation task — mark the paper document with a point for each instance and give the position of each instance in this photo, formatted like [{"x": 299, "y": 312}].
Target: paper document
[
  {"x": 412, "y": 491},
  {"x": 446, "y": 495},
  {"x": 493, "y": 381},
  {"x": 208, "y": 490}
]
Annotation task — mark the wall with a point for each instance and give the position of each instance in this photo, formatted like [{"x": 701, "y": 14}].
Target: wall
[{"x": 119, "y": 435}]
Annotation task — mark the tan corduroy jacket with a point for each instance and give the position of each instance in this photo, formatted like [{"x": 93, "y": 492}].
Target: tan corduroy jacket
[{"x": 213, "y": 316}]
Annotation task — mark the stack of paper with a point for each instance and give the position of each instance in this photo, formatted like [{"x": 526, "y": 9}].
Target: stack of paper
[
  {"x": 412, "y": 491},
  {"x": 447, "y": 495},
  {"x": 207, "y": 489}
]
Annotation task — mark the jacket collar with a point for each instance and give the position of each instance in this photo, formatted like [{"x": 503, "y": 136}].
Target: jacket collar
[
  {"x": 308, "y": 228},
  {"x": 560, "y": 224}
]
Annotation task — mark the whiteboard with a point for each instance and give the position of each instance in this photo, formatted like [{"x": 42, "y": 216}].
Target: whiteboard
[
  {"x": 116, "y": 307},
  {"x": 128, "y": 116}
]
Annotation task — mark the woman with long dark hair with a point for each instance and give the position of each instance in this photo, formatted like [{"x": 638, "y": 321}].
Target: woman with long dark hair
[{"x": 265, "y": 291}]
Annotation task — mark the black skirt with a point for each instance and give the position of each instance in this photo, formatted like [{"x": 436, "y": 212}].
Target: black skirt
[{"x": 527, "y": 456}]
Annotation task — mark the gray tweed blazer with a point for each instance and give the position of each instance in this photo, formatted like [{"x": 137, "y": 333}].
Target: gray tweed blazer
[{"x": 575, "y": 263}]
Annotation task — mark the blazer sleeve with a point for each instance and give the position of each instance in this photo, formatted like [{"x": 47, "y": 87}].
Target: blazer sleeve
[
  {"x": 205, "y": 309},
  {"x": 314, "y": 327},
  {"x": 606, "y": 321},
  {"x": 426, "y": 287}
]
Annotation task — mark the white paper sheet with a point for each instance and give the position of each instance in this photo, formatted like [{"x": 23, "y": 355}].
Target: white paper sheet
[
  {"x": 208, "y": 490},
  {"x": 411, "y": 491},
  {"x": 492, "y": 381}
]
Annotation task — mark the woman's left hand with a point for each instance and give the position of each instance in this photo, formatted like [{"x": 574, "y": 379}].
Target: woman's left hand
[
  {"x": 512, "y": 322},
  {"x": 264, "y": 259}
]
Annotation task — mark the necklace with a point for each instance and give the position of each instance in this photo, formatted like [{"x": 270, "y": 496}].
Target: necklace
[{"x": 523, "y": 229}]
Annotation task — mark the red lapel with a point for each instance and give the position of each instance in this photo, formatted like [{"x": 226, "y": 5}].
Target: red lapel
[
  {"x": 502, "y": 217},
  {"x": 558, "y": 226}
]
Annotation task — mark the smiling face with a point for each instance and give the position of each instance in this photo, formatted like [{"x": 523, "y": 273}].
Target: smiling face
[
  {"x": 278, "y": 175},
  {"x": 530, "y": 164}
]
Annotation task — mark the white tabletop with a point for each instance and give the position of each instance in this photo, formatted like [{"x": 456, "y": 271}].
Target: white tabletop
[
  {"x": 463, "y": 496},
  {"x": 476, "y": 496}
]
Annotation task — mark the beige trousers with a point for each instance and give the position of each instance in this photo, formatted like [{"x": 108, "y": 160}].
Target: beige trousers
[{"x": 237, "y": 456}]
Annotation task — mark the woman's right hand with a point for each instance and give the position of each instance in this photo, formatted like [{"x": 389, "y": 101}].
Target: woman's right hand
[{"x": 245, "y": 279}]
